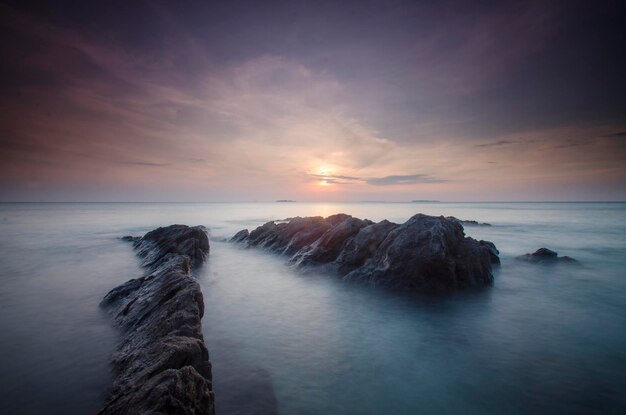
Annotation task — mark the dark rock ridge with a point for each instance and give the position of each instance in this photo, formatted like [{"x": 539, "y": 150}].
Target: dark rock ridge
[
  {"x": 161, "y": 365},
  {"x": 547, "y": 257},
  {"x": 426, "y": 253}
]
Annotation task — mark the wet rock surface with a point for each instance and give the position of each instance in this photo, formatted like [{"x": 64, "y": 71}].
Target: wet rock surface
[
  {"x": 546, "y": 256},
  {"x": 162, "y": 364},
  {"x": 426, "y": 253}
]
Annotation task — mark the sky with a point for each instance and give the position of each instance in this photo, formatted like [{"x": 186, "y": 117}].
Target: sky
[{"x": 313, "y": 101}]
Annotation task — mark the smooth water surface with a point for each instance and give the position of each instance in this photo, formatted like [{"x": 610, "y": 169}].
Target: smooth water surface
[{"x": 542, "y": 340}]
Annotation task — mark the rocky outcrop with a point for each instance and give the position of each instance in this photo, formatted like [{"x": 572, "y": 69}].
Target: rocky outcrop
[
  {"x": 426, "y": 253},
  {"x": 546, "y": 256},
  {"x": 240, "y": 236},
  {"x": 162, "y": 364}
]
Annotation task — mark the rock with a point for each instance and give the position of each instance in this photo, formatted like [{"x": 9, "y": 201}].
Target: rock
[
  {"x": 493, "y": 251},
  {"x": 240, "y": 236},
  {"x": 162, "y": 364},
  {"x": 289, "y": 237},
  {"x": 544, "y": 253},
  {"x": 172, "y": 391},
  {"x": 328, "y": 246},
  {"x": 179, "y": 239},
  {"x": 363, "y": 246},
  {"x": 426, "y": 253},
  {"x": 547, "y": 257},
  {"x": 132, "y": 239}
]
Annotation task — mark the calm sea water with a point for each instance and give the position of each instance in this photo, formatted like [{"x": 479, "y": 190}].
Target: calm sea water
[{"x": 542, "y": 340}]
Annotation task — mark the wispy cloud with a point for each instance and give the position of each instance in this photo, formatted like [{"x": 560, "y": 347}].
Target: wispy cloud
[
  {"x": 571, "y": 143},
  {"x": 408, "y": 179},
  {"x": 145, "y": 163},
  {"x": 618, "y": 134},
  {"x": 379, "y": 181},
  {"x": 337, "y": 179},
  {"x": 498, "y": 143}
]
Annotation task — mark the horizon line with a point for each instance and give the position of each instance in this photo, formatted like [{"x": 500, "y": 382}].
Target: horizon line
[{"x": 318, "y": 201}]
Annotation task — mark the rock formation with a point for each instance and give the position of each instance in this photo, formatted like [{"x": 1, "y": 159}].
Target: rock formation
[
  {"x": 426, "y": 253},
  {"x": 546, "y": 256},
  {"x": 162, "y": 364}
]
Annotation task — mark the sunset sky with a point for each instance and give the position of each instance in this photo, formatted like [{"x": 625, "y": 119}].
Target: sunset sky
[{"x": 328, "y": 101}]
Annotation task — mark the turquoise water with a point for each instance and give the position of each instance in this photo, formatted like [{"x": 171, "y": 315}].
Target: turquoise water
[{"x": 542, "y": 340}]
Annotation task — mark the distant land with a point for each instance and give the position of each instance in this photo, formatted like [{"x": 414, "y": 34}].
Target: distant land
[
  {"x": 425, "y": 201},
  {"x": 285, "y": 201}
]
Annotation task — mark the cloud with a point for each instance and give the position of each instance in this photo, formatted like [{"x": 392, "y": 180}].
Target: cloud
[
  {"x": 618, "y": 134},
  {"x": 255, "y": 124},
  {"x": 145, "y": 163},
  {"x": 332, "y": 176},
  {"x": 409, "y": 179},
  {"x": 498, "y": 143},
  {"x": 570, "y": 144},
  {"x": 335, "y": 181},
  {"x": 378, "y": 181}
]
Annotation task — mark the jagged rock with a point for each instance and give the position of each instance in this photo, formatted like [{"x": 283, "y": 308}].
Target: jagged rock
[
  {"x": 426, "y": 253},
  {"x": 240, "y": 236},
  {"x": 179, "y": 239},
  {"x": 162, "y": 364},
  {"x": 328, "y": 246},
  {"x": 547, "y": 257},
  {"x": 363, "y": 246},
  {"x": 289, "y": 237}
]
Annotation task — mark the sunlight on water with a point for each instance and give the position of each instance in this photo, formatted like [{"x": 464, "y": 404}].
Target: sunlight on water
[{"x": 542, "y": 340}]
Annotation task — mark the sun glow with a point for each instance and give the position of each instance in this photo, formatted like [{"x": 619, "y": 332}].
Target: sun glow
[
  {"x": 323, "y": 173},
  {"x": 324, "y": 170}
]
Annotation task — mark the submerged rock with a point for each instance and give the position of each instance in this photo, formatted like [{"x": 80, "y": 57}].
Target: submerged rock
[
  {"x": 162, "y": 364},
  {"x": 469, "y": 222},
  {"x": 546, "y": 256},
  {"x": 426, "y": 253},
  {"x": 130, "y": 238}
]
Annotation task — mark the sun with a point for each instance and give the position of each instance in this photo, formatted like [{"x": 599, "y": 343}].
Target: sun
[
  {"x": 323, "y": 173},
  {"x": 324, "y": 170}
]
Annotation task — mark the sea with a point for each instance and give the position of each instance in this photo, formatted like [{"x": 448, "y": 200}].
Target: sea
[{"x": 542, "y": 340}]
